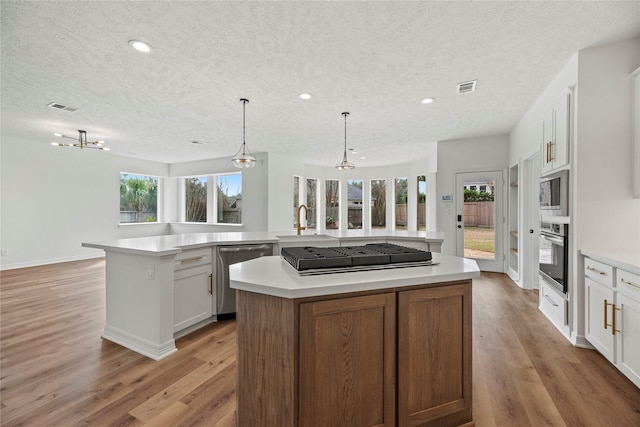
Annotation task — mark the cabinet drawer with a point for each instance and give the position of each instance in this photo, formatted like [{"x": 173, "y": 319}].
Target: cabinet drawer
[
  {"x": 628, "y": 283},
  {"x": 553, "y": 305},
  {"x": 192, "y": 258},
  {"x": 598, "y": 272}
]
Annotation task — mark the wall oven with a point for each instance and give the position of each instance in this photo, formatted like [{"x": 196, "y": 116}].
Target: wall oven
[{"x": 554, "y": 254}]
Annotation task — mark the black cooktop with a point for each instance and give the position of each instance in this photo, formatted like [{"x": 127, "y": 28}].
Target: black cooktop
[{"x": 312, "y": 260}]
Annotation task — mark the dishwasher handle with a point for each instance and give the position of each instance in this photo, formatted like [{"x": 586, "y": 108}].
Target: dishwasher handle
[{"x": 245, "y": 248}]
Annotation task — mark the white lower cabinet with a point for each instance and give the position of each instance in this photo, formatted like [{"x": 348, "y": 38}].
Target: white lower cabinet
[
  {"x": 554, "y": 305},
  {"x": 193, "y": 292},
  {"x": 599, "y": 300},
  {"x": 612, "y": 310}
]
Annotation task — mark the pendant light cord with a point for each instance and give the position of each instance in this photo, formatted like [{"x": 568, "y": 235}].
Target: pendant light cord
[
  {"x": 244, "y": 104},
  {"x": 345, "y": 114}
]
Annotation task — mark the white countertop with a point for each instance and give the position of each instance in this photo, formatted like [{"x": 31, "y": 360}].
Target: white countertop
[
  {"x": 629, "y": 261},
  {"x": 274, "y": 276},
  {"x": 175, "y": 243}
]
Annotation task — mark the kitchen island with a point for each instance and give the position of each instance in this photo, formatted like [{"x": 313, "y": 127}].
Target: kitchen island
[
  {"x": 161, "y": 287},
  {"x": 370, "y": 348}
]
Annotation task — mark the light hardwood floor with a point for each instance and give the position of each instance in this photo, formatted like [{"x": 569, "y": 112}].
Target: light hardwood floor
[{"x": 57, "y": 371}]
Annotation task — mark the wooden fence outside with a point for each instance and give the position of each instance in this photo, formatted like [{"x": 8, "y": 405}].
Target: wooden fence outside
[{"x": 479, "y": 214}]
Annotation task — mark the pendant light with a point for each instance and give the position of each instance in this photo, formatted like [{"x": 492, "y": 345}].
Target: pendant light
[
  {"x": 82, "y": 142},
  {"x": 243, "y": 158},
  {"x": 345, "y": 165}
]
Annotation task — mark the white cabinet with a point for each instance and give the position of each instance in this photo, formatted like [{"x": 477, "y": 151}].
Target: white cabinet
[
  {"x": 628, "y": 322},
  {"x": 556, "y": 127},
  {"x": 599, "y": 301},
  {"x": 193, "y": 292},
  {"x": 555, "y": 306},
  {"x": 612, "y": 315}
]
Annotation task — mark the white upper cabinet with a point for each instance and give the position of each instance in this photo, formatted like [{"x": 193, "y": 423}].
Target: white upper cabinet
[{"x": 556, "y": 128}]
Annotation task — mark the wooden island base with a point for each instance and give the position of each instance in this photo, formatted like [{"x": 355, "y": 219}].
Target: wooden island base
[{"x": 390, "y": 357}]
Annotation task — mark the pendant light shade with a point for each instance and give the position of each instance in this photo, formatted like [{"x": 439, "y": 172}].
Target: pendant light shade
[
  {"x": 243, "y": 158},
  {"x": 344, "y": 165}
]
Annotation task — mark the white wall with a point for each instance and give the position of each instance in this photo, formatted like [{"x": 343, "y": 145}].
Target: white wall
[
  {"x": 608, "y": 216},
  {"x": 54, "y": 198},
  {"x": 464, "y": 155}
]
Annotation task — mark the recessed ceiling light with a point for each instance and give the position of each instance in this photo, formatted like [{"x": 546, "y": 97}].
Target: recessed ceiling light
[
  {"x": 428, "y": 100},
  {"x": 140, "y": 46},
  {"x": 363, "y": 158},
  {"x": 305, "y": 96}
]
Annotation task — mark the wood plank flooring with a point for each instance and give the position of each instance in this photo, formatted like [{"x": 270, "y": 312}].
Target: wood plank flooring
[{"x": 57, "y": 371}]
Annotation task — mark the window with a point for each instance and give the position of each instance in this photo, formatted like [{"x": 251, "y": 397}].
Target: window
[
  {"x": 312, "y": 203},
  {"x": 378, "y": 203},
  {"x": 138, "y": 198},
  {"x": 332, "y": 198},
  {"x": 195, "y": 191},
  {"x": 422, "y": 203},
  {"x": 354, "y": 204},
  {"x": 229, "y": 199},
  {"x": 401, "y": 203}
]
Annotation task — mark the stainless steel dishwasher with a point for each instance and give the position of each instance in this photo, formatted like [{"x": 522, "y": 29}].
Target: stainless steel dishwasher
[{"x": 225, "y": 256}]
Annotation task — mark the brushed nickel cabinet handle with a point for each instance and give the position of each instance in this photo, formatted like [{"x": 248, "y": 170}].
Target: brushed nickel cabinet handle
[
  {"x": 595, "y": 270},
  {"x": 550, "y": 301},
  {"x": 630, "y": 283}
]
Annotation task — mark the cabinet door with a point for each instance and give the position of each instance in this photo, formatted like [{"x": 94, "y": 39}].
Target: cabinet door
[
  {"x": 561, "y": 116},
  {"x": 192, "y": 296},
  {"x": 434, "y": 356},
  {"x": 347, "y": 362},
  {"x": 547, "y": 141},
  {"x": 598, "y": 312},
  {"x": 628, "y": 339}
]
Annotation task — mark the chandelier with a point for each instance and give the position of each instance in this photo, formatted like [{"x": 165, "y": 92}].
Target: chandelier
[
  {"x": 243, "y": 158},
  {"x": 345, "y": 165},
  {"x": 81, "y": 141}
]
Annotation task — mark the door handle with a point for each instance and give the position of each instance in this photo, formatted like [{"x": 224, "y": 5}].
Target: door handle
[
  {"x": 531, "y": 230},
  {"x": 459, "y": 226},
  {"x": 459, "y": 218}
]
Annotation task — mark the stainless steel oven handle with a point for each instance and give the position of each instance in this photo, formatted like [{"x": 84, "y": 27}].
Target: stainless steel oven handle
[{"x": 553, "y": 239}]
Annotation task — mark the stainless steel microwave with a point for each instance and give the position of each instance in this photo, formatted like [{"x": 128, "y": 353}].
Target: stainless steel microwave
[{"x": 554, "y": 194}]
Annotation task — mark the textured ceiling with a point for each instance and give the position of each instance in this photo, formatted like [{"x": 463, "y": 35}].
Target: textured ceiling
[{"x": 376, "y": 60}]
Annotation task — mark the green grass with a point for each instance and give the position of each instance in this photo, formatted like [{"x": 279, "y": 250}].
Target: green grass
[{"x": 479, "y": 239}]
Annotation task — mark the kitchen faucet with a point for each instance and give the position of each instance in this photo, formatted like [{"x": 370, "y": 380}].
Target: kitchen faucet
[{"x": 306, "y": 217}]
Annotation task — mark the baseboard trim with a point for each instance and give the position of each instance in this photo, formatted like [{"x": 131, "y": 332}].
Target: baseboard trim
[
  {"x": 49, "y": 261},
  {"x": 139, "y": 345}
]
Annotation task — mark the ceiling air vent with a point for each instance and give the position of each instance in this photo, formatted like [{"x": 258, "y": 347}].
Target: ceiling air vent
[
  {"x": 58, "y": 106},
  {"x": 467, "y": 87}
]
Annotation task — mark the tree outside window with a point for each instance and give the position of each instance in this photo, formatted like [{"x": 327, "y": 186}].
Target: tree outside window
[
  {"x": 138, "y": 198},
  {"x": 229, "y": 199},
  {"x": 195, "y": 190},
  {"x": 378, "y": 203},
  {"x": 401, "y": 203}
]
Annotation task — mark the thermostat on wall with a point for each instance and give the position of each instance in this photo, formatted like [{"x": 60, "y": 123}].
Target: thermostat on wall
[{"x": 447, "y": 197}]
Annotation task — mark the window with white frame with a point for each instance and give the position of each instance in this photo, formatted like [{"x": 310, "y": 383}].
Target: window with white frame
[
  {"x": 228, "y": 196},
  {"x": 195, "y": 199},
  {"x": 138, "y": 198}
]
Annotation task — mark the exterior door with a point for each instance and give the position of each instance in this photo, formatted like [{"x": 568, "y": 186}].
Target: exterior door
[{"x": 479, "y": 218}]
